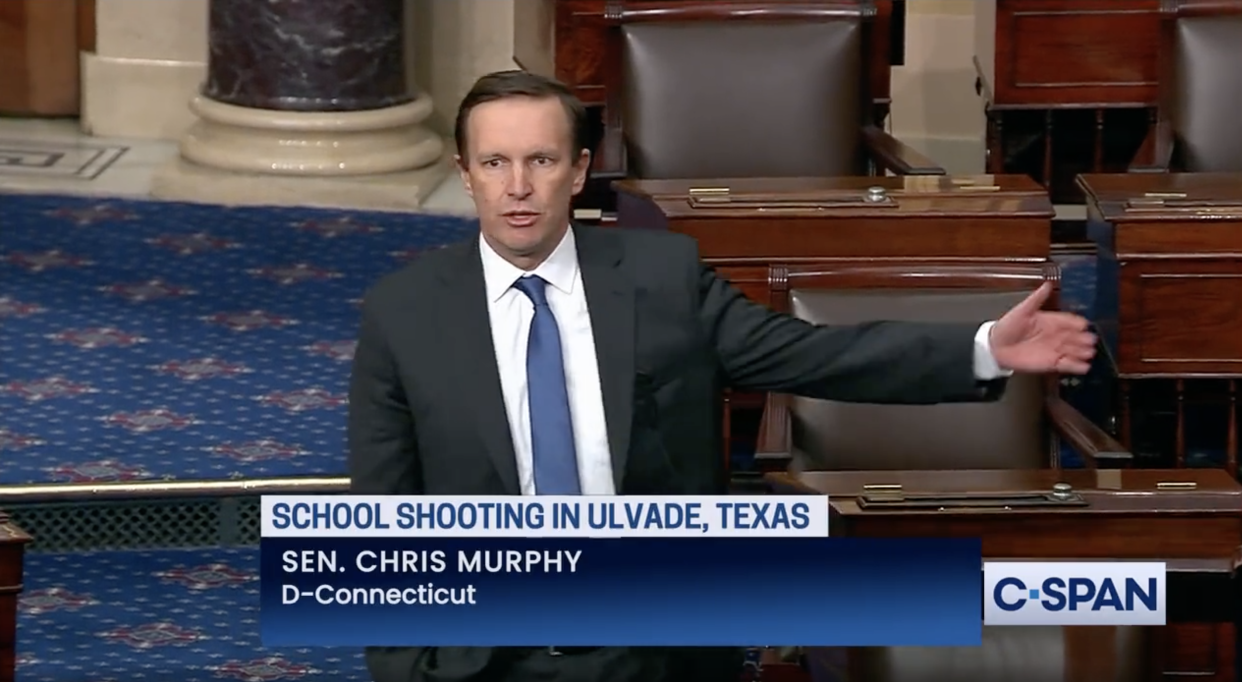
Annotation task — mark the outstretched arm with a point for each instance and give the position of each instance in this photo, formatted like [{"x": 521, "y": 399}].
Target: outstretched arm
[{"x": 874, "y": 362}]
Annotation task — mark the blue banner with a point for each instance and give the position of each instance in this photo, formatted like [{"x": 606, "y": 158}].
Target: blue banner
[{"x": 710, "y": 591}]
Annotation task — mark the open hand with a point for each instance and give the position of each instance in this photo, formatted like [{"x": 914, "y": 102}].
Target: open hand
[{"x": 1028, "y": 339}]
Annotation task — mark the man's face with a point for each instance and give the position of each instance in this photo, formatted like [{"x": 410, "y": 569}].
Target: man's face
[{"x": 522, "y": 171}]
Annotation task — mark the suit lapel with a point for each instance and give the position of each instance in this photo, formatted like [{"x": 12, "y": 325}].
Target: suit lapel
[
  {"x": 465, "y": 299},
  {"x": 610, "y": 299}
]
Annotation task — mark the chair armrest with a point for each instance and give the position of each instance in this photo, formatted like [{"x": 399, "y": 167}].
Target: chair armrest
[
  {"x": 891, "y": 154},
  {"x": 1156, "y": 153},
  {"x": 1093, "y": 443},
  {"x": 774, "y": 443}
]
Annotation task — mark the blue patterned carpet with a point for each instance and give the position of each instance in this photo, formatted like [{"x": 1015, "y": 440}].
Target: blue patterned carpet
[
  {"x": 150, "y": 340},
  {"x": 184, "y": 615}
]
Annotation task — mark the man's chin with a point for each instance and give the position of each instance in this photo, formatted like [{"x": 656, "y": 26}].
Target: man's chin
[
  {"x": 527, "y": 241},
  {"x": 526, "y": 245}
]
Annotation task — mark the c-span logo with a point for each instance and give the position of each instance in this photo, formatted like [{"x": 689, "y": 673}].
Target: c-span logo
[{"x": 1073, "y": 593}]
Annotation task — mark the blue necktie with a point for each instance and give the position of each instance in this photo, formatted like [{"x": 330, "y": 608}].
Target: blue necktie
[{"x": 551, "y": 428}]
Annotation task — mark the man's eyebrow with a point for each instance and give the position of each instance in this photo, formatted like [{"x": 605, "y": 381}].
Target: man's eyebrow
[{"x": 538, "y": 152}]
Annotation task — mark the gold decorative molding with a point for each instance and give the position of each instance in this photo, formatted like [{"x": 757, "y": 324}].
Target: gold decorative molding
[{"x": 45, "y": 492}]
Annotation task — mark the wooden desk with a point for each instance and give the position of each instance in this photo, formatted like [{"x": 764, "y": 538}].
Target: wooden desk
[
  {"x": 1070, "y": 86},
  {"x": 12, "y": 548},
  {"x": 1170, "y": 247},
  {"x": 1190, "y": 518},
  {"x": 751, "y": 228}
]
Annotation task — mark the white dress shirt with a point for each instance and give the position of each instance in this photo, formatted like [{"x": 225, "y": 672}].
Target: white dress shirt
[{"x": 511, "y": 313}]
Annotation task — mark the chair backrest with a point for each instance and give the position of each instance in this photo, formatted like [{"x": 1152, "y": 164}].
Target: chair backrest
[
  {"x": 1203, "y": 86},
  {"x": 781, "y": 94},
  {"x": 1008, "y": 434}
]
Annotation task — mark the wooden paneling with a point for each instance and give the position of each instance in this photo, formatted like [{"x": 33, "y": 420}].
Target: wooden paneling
[
  {"x": 1069, "y": 86},
  {"x": 86, "y": 25},
  {"x": 39, "y": 42},
  {"x": 1184, "y": 317},
  {"x": 1075, "y": 52}
]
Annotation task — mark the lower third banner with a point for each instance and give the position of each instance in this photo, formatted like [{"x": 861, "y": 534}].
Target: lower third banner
[{"x": 621, "y": 592}]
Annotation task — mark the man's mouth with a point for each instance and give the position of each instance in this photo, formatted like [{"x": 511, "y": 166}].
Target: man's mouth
[{"x": 521, "y": 218}]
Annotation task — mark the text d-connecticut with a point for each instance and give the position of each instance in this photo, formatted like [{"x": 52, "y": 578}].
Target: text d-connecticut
[{"x": 426, "y": 594}]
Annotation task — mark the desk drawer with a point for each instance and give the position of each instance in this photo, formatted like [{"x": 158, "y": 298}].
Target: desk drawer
[
  {"x": 1157, "y": 238},
  {"x": 1067, "y": 52},
  {"x": 1180, "y": 317}
]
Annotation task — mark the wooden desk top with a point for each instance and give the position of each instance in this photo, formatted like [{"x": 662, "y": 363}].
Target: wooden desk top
[
  {"x": 908, "y": 184},
  {"x": 1010, "y": 195},
  {"x": 1107, "y": 491},
  {"x": 1141, "y": 197}
]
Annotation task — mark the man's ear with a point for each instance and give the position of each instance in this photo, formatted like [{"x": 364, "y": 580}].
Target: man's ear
[
  {"x": 464, "y": 173},
  {"x": 581, "y": 165}
]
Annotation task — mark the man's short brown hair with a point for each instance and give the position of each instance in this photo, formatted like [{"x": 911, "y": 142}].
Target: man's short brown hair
[{"x": 517, "y": 83}]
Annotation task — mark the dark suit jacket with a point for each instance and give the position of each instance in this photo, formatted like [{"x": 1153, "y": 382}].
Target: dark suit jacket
[{"x": 425, "y": 406}]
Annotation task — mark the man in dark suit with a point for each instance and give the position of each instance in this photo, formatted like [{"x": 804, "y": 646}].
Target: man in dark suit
[{"x": 550, "y": 358}]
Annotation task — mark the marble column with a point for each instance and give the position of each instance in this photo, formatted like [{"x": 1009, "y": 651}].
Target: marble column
[{"x": 309, "y": 87}]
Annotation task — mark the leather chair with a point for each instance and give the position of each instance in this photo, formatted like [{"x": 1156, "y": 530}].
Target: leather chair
[
  {"x": 1018, "y": 432},
  {"x": 1022, "y": 430},
  {"x": 745, "y": 89},
  {"x": 1196, "y": 130}
]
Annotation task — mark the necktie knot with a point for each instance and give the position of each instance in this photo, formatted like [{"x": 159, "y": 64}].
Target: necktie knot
[{"x": 535, "y": 288}]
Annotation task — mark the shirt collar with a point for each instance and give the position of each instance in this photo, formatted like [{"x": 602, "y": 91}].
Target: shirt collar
[{"x": 559, "y": 269}]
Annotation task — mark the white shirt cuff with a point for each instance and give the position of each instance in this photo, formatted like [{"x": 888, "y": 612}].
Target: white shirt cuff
[{"x": 986, "y": 367}]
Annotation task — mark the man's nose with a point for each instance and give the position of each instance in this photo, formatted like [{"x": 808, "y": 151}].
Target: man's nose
[{"x": 518, "y": 184}]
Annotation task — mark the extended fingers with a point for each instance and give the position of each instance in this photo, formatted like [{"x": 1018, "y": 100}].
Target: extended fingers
[
  {"x": 1067, "y": 365},
  {"x": 1077, "y": 348},
  {"x": 1065, "y": 321},
  {"x": 1070, "y": 331},
  {"x": 1079, "y": 344}
]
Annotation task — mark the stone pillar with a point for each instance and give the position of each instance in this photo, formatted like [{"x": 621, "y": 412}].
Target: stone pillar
[{"x": 309, "y": 88}]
